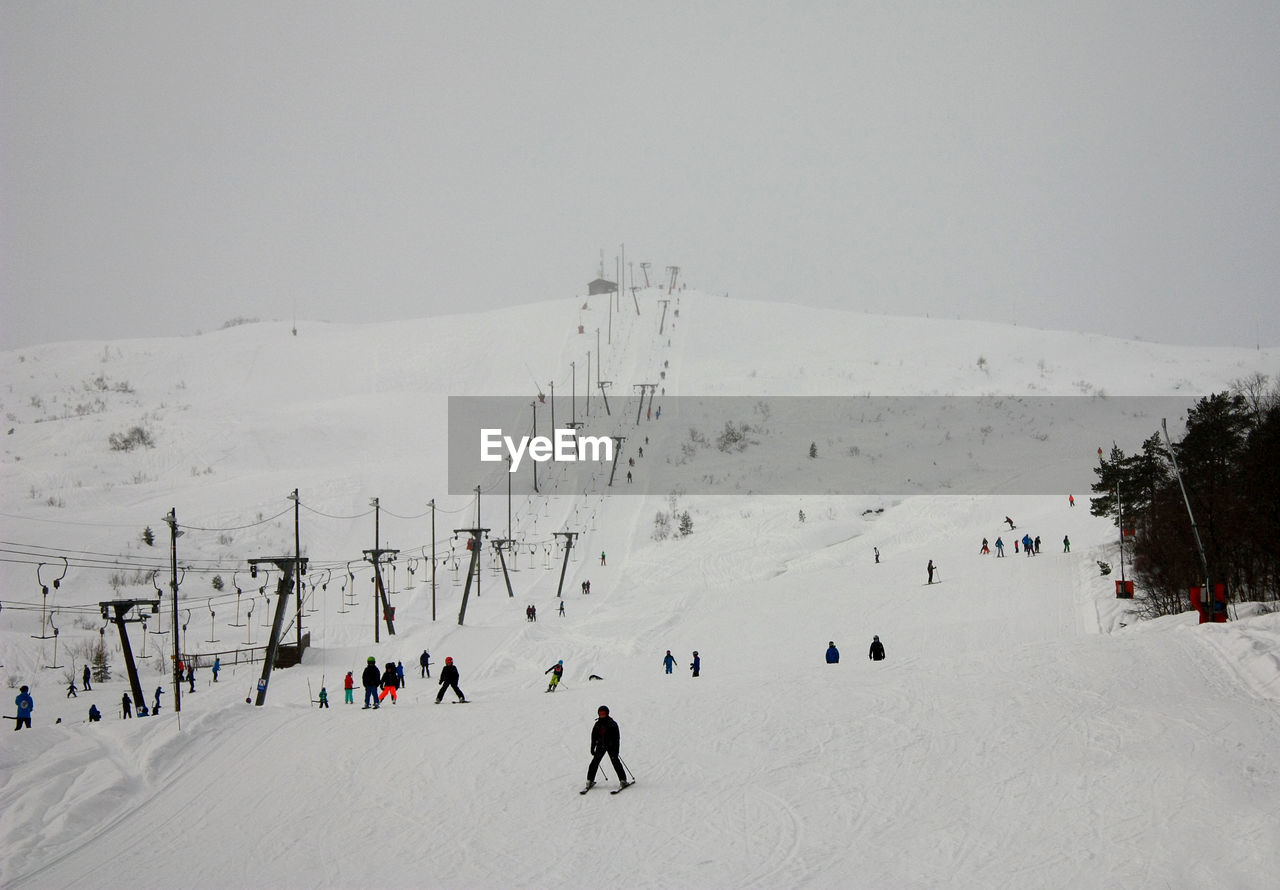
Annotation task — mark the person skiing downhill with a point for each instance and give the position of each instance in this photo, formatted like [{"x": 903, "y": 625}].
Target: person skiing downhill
[
  {"x": 555, "y": 671},
  {"x": 833, "y": 654},
  {"x": 324, "y": 697},
  {"x": 877, "y": 650},
  {"x": 669, "y": 661},
  {"x": 369, "y": 679},
  {"x": 605, "y": 739},
  {"x": 696, "y": 667},
  {"x": 930, "y": 570},
  {"x": 449, "y": 680},
  {"x": 1010, "y": 521},
  {"x": 1066, "y": 544},
  {"x": 985, "y": 549},
  {"x": 999, "y": 547},
  {"x": 1027, "y": 544},
  {"x": 424, "y": 661}
]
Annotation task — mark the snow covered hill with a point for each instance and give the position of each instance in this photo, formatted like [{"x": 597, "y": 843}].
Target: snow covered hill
[{"x": 1023, "y": 731}]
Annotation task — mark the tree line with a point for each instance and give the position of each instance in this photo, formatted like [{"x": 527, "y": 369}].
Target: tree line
[{"x": 1230, "y": 463}]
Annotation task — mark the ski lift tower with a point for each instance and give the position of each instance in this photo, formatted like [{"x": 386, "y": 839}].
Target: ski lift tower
[{"x": 289, "y": 566}]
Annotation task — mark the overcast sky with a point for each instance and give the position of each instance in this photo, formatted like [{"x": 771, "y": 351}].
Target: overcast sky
[{"x": 1102, "y": 166}]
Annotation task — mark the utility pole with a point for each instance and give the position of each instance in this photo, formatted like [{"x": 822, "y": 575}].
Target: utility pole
[
  {"x": 433, "y": 559},
  {"x": 474, "y": 546},
  {"x": 675, "y": 272},
  {"x": 1120, "y": 509},
  {"x": 662, "y": 323},
  {"x": 289, "y": 567},
  {"x": 652, "y": 387},
  {"x": 634, "y": 300},
  {"x": 617, "y": 453},
  {"x": 552, "y": 384},
  {"x": 174, "y": 533},
  {"x": 573, "y": 395},
  {"x": 568, "y": 545},
  {"x": 644, "y": 267},
  {"x": 1195, "y": 531},
  {"x": 499, "y": 545},
  {"x": 380, "y": 597},
  {"x": 533, "y": 463},
  {"x": 297, "y": 557},
  {"x": 586, "y": 412},
  {"x": 602, "y": 384},
  {"x": 115, "y": 612}
]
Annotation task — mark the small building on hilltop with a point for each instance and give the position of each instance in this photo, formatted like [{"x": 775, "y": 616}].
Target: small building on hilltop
[{"x": 602, "y": 286}]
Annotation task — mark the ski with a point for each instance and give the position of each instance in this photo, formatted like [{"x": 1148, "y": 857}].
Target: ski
[
  {"x": 620, "y": 788},
  {"x": 588, "y": 788}
]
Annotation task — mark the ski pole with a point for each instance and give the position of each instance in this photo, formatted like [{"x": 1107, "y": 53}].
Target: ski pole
[{"x": 627, "y": 768}]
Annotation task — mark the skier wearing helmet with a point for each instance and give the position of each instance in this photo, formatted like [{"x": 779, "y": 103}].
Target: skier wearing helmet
[
  {"x": 370, "y": 679},
  {"x": 449, "y": 680},
  {"x": 605, "y": 739},
  {"x": 555, "y": 671}
]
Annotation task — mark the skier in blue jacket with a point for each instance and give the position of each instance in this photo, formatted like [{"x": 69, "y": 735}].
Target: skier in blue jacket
[
  {"x": 833, "y": 654},
  {"x": 25, "y": 707},
  {"x": 669, "y": 662}
]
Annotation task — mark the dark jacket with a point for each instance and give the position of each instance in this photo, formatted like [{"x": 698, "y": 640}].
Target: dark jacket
[
  {"x": 877, "y": 651},
  {"x": 605, "y": 736},
  {"x": 448, "y": 674},
  {"x": 833, "y": 655},
  {"x": 390, "y": 677},
  {"x": 25, "y": 705},
  {"x": 370, "y": 677}
]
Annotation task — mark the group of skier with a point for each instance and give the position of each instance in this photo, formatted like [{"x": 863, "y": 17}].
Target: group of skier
[{"x": 876, "y": 653}]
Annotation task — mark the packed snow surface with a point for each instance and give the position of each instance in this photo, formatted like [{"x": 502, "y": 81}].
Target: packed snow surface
[{"x": 1025, "y": 730}]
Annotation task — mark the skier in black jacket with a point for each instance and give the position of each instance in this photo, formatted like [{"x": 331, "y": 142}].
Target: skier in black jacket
[
  {"x": 449, "y": 680},
  {"x": 877, "y": 650},
  {"x": 370, "y": 679},
  {"x": 605, "y": 739}
]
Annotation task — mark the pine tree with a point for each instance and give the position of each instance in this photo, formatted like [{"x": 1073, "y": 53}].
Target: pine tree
[
  {"x": 148, "y": 536},
  {"x": 101, "y": 667},
  {"x": 813, "y": 449},
  {"x": 686, "y": 524}
]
